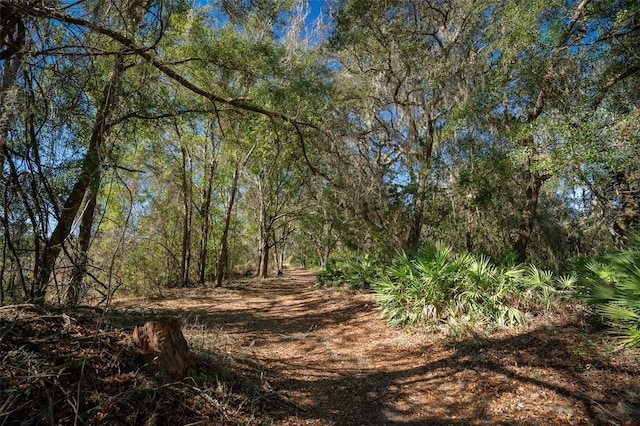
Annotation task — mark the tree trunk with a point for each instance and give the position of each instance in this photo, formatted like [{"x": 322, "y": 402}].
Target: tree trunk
[
  {"x": 206, "y": 206},
  {"x": 185, "y": 264},
  {"x": 629, "y": 211},
  {"x": 84, "y": 241},
  {"x": 263, "y": 261},
  {"x": 8, "y": 93},
  {"x": 528, "y": 214},
  {"x": 280, "y": 260},
  {"x": 221, "y": 261},
  {"x": 415, "y": 231},
  {"x": 424, "y": 154},
  {"x": 10, "y": 71},
  {"x": 263, "y": 271},
  {"x": 264, "y": 224},
  {"x": 91, "y": 164}
]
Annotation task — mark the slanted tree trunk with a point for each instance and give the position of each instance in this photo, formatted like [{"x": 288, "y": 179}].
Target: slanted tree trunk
[
  {"x": 528, "y": 214},
  {"x": 91, "y": 164},
  {"x": 84, "y": 241},
  {"x": 223, "y": 255},
  {"x": 629, "y": 212},
  {"x": 165, "y": 347},
  {"x": 88, "y": 179},
  {"x": 536, "y": 179}
]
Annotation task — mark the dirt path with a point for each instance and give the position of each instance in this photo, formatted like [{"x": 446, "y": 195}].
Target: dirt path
[{"x": 327, "y": 352}]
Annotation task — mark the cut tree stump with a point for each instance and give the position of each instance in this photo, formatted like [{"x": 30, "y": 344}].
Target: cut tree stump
[{"x": 163, "y": 343}]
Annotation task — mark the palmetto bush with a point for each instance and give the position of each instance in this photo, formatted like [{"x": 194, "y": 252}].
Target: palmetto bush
[
  {"x": 612, "y": 288},
  {"x": 351, "y": 271},
  {"x": 434, "y": 285}
]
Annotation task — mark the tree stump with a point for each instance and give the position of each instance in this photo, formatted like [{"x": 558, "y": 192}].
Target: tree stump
[{"x": 165, "y": 346}]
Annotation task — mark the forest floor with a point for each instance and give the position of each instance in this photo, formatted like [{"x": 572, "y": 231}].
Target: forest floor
[{"x": 283, "y": 351}]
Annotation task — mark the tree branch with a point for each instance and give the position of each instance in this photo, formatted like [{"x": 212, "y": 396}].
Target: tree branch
[
  {"x": 240, "y": 102},
  {"x": 40, "y": 11},
  {"x": 597, "y": 100}
]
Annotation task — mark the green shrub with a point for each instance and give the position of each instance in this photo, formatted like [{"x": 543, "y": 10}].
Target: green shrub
[
  {"x": 612, "y": 289},
  {"x": 434, "y": 285},
  {"x": 354, "y": 272}
]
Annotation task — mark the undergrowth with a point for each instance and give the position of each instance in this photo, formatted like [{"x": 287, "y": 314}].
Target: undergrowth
[
  {"x": 351, "y": 271},
  {"x": 611, "y": 286},
  {"x": 434, "y": 285}
]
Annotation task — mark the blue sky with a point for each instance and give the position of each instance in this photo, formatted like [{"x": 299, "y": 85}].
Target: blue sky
[{"x": 316, "y": 7}]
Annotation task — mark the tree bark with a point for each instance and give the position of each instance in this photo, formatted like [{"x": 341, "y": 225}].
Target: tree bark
[
  {"x": 535, "y": 178},
  {"x": 263, "y": 271},
  {"x": 90, "y": 168},
  {"x": 223, "y": 254},
  {"x": 185, "y": 264},
  {"x": 415, "y": 231},
  {"x": 221, "y": 261},
  {"x": 628, "y": 213},
  {"x": 426, "y": 145},
  {"x": 165, "y": 346},
  {"x": 11, "y": 69},
  {"x": 263, "y": 261},
  {"x": 528, "y": 214},
  {"x": 206, "y": 207},
  {"x": 84, "y": 242},
  {"x": 265, "y": 224}
]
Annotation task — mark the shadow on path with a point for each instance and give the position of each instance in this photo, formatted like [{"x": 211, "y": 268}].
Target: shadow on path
[{"x": 327, "y": 351}]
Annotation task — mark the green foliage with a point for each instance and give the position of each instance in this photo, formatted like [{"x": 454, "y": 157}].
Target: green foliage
[
  {"x": 434, "y": 285},
  {"x": 612, "y": 288},
  {"x": 353, "y": 271}
]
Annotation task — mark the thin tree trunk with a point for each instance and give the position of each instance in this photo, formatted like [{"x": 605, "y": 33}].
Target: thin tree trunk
[
  {"x": 186, "y": 224},
  {"x": 204, "y": 237},
  {"x": 281, "y": 264},
  {"x": 629, "y": 212},
  {"x": 88, "y": 179},
  {"x": 278, "y": 249},
  {"x": 415, "y": 231},
  {"x": 221, "y": 261},
  {"x": 263, "y": 271},
  {"x": 263, "y": 261},
  {"x": 223, "y": 253}
]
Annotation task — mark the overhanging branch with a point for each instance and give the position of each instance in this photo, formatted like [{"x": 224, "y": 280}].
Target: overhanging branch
[
  {"x": 39, "y": 11},
  {"x": 240, "y": 102}
]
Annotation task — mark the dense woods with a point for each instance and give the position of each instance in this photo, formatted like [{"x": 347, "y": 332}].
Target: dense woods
[
  {"x": 469, "y": 170},
  {"x": 152, "y": 144}
]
